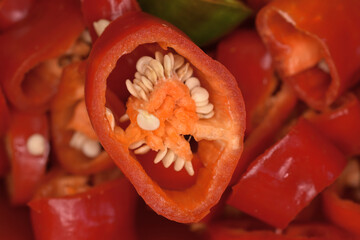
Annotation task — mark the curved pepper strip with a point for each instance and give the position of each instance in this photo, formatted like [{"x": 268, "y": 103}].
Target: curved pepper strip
[
  {"x": 245, "y": 56},
  {"x": 284, "y": 179},
  {"x": 340, "y": 124},
  {"x": 68, "y": 116},
  {"x": 15, "y": 223},
  {"x": 94, "y": 10},
  {"x": 28, "y": 148},
  {"x": 4, "y": 123},
  {"x": 29, "y": 72},
  {"x": 281, "y": 106},
  {"x": 205, "y": 22},
  {"x": 320, "y": 62},
  {"x": 105, "y": 211},
  {"x": 13, "y": 11},
  {"x": 344, "y": 212},
  {"x": 121, "y": 37}
]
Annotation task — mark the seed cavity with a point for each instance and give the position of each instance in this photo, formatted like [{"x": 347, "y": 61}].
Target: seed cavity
[
  {"x": 89, "y": 147},
  {"x": 323, "y": 66},
  {"x": 150, "y": 71},
  {"x": 100, "y": 26},
  {"x": 36, "y": 144},
  {"x": 147, "y": 121}
]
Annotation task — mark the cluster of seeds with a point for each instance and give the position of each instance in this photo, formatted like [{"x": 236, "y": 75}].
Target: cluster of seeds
[
  {"x": 150, "y": 71},
  {"x": 89, "y": 147}
]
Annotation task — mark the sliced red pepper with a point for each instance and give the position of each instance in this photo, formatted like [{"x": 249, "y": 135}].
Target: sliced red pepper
[
  {"x": 105, "y": 211},
  {"x": 245, "y": 56},
  {"x": 319, "y": 61},
  {"x": 284, "y": 180},
  {"x": 280, "y": 109},
  {"x": 340, "y": 124},
  {"x": 15, "y": 222},
  {"x": 74, "y": 140},
  {"x": 13, "y": 11},
  {"x": 30, "y": 71},
  {"x": 344, "y": 210},
  {"x": 170, "y": 112},
  {"x": 95, "y": 10},
  {"x": 28, "y": 147}
]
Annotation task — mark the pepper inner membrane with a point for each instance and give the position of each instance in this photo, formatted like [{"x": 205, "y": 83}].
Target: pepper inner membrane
[
  {"x": 164, "y": 101},
  {"x": 300, "y": 56}
]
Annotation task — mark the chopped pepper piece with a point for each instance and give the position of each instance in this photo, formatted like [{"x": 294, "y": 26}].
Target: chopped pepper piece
[
  {"x": 319, "y": 61},
  {"x": 177, "y": 91},
  {"x": 284, "y": 179},
  {"x": 30, "y": 69}
]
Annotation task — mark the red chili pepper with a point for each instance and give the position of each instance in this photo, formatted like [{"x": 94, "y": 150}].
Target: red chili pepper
[
  {"x": 340, "y": 207},
  {"x": 340, "y": 124},
  {"x": 15, "y": 222},
  {"x": 280, "y": 108},
  {"x": 28, "y": 52},
  {"x": 169, "y": 114},
  {"x": 75, "y": 143},
  {"x": 13, "y": 11},
  {"x": 28, "y": 147},
  {"x": 283, "y": 180},
  {"x": 319, "y": 61},
  {"x": 94, "y": 10},
  {"x": 246, "y": 57},
  {"x": 105, "y": 211}
]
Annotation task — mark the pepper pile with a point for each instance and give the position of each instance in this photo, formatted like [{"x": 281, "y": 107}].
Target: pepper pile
[{"x": 153, "y": 119}]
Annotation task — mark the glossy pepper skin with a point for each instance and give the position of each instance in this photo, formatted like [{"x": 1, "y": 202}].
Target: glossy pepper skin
[
  {"x": 124, "y": 35},
  {"x": 340, "y": 124},
  {"x": 106, "y": 211},
  {"x": 302, "y": 41},
  {"x": 30, "y": 73},
  {"x": 284, "y": 179},
  {"x": 68, "y": 114},
  {"x": 94, "y": 10},
  {"x": 245, "y": 56},
  {"x": 26, "y": 169},
  {"x": 13, "y": 11}
]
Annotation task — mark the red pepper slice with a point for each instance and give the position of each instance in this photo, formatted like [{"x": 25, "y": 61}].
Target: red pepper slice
[
  {"x": 28, "y": 147},
  {"x": 13, "y": 11},
  {"x": 245, "y": 56},
  {"x": 219, "y": 137},
  {"x": 30, "y": 71},
  {"x": 344, "y": 211},
  {"x": 340, "y": 124},
  {"x": 105, "y": 211},
  {"x": 95, "y": 10},
  {"x": 281, "y": 106},
  {"x": 283, "y": 180},
  {"x": 74, "y": 140},
  {"x": 320, "y": 62}
]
